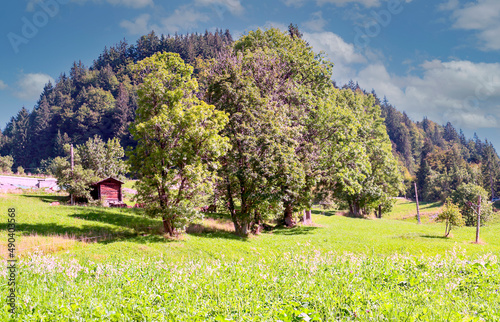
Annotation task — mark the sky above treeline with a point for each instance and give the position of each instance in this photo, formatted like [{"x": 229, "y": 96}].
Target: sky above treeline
[{"x": 439, "y": 59}]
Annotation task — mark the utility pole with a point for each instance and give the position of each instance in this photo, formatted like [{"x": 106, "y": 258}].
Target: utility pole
[
  {"x": 72, "y": 166},
  {"x": 478, "y": 218},
  {"x": 416, "y": 198}
]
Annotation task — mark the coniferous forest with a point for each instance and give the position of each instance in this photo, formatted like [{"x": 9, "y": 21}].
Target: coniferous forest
[{"x": 102, "y": 99}]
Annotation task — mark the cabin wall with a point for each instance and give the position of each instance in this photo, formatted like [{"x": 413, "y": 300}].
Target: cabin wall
[{"x": 110, "y": 191}]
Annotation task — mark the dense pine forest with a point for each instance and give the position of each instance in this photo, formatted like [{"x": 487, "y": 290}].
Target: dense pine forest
[{"x": 102, "y": 99}]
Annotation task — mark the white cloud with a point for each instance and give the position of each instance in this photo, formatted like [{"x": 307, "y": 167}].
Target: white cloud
[
  {"x": 294, "y": 3},
  {"x": 482, "y": 16},
  {"x": 33, "y": 4},
  {"x": 2, "y": 85},
  {"x": 337, "y": 50},
  {"x": 30, "y": 86},
  {"x": 317, "y": 23},
  {"x": 274, "y": 24},
  {"x": 463, "y": 92},
  {"x": 137, "y": 27},
  {"x": 183, "y": 18},
  {"x": 234, "y": 6}
]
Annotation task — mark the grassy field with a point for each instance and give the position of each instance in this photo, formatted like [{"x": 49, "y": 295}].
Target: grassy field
[{"x": 339, "y": 269}]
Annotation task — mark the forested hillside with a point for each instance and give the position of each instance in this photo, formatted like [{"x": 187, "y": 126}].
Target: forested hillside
[{"x": 101, "y": 99}]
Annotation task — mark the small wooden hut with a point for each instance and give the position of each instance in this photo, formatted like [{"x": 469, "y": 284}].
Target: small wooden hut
[{"x": 108, "y": 191}]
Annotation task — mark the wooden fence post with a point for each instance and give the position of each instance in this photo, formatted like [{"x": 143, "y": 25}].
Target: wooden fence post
[
  {"x": 416, "y": 198},
  {"x": 478, "y": 218}
]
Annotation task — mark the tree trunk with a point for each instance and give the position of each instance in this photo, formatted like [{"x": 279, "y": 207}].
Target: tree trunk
[
  {"x": 257, "y": 223},
  {"x": 307, "y": 217},
  {"x": 379, "y": 211},
  {"x": 167, "y": 226},
  {"x": 288, "y": 214},
  {"x": 241, "y": 228}
]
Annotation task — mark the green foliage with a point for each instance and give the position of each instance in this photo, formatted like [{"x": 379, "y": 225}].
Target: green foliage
[
  {"x": 6, "y": 163},
  {"x": 451, "y": 216},
  {"x": 104, "y": 159},
  {"x": 466, "y": 197},
  {"x": 77, "y": 181},
  {"x": 178, "y": 140},
  {"x": 373, "y": 176},
  {"x": 94, "y": 161},
  {"x": 20, "y": 170}
]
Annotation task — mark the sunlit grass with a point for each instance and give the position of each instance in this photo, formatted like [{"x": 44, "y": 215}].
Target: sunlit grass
[{"x": 340, "y": 268}]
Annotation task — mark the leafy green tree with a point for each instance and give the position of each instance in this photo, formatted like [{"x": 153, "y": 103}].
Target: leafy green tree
[
  {"x": 6, "y": 163},
  {"x": 104, "y": 159},
  {"x": 466, "y": 197},
  {"x": 300, "y": 84},
  {"x": 452, "y": 216},
  {"x": 178, "y": 140},
  {"x": 76, "y": 182},
  {"x": 375, "y": 176},
  {"x": 262, "y": 168}
]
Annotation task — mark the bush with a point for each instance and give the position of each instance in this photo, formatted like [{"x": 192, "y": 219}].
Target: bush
[
  {"x": 20, "y": 170},
  {"x": 451, "y": 216},
  {"x": 6, "y": 163}
]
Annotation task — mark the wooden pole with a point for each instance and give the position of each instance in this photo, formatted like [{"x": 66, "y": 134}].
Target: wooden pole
[
  {"x": 416, "y": 198},
  {"x": 72, "y": 166},
  {"x": 478, "y": 218}
]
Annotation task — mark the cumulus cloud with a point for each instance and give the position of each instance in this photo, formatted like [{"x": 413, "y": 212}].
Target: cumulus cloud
[
  {"x": 463, "y": 92},
  {"x": 183, "y": 18},
  {"x": 482, "y": 16},
  {"x": 2, "y": 85},
  {"x": 137, "y": 27},
  {"x": 341, "y": 53},
  {"x": 234, "y": 6},
  {"x": 30, "y": 86},
  {"x": 316, "y": 23}
]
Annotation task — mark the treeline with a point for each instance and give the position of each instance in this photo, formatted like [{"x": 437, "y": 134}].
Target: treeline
[{"x": 100, "y": 99}]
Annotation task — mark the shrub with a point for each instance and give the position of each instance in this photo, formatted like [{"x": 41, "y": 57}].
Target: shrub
[
  {"x": 451, "y": 216},
  {"x": 6, "y": 163}
]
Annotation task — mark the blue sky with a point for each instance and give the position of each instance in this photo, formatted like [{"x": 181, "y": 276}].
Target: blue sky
[{"x": 439, "y": 59}]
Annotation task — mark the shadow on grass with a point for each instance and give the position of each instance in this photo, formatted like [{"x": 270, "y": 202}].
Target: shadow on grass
[
  {"x": 327, "y": 213},
  {"x": 219, "y": 234},
  {"x": 298, "y": 230},
  {"x": 120, "y": 218},
  {"x": 51, "y": 229},
  {"x": 434, "y": 236},
  {"x": 49, "y": 198},
  {"x": 140, "y": 239}
]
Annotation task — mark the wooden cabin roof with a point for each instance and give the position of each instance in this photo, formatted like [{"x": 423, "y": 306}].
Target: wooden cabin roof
[{"x": 108, "y": 179}]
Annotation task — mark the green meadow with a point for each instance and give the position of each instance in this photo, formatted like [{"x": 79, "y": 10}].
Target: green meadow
[{"x": 104, "y": 264}]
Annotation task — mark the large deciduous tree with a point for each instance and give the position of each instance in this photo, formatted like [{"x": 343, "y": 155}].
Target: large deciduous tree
[
  {"x": 272, "y": 81},
  {"x": 178, "y": 140},
  {"x": 374, "y": 175}
]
